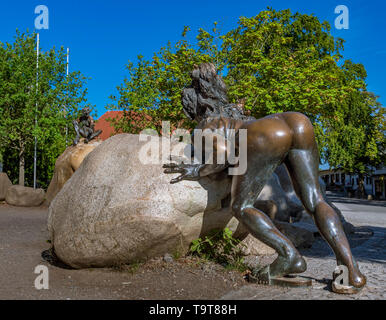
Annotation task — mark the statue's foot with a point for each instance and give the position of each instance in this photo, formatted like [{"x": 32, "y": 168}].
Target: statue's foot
[
  {"x": 356, "y": 282},
  {"x": 263, "y": 276},
  {"x": 356, "y": 278},
  {"x": 94, "y": 135},
  {"x": 284, "y": 265},
  {"x": 276, "y": 272}
]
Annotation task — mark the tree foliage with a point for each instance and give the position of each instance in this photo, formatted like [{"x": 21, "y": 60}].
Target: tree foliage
[
  {"x": 153, "y": 87},
  {"x": 355, "y": 135},
  {"x": 54, "y": 102},
  {"x": 276, "y": 62}
]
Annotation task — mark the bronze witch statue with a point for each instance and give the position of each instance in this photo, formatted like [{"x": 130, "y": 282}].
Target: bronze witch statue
[
  {"x": 84, "y": 127},
  {"x": 283, "y": 138}
]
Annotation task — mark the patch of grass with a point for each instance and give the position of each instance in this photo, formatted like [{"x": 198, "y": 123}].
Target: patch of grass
[
  {"x": 221, "y": 247},
  {"x": 131, "y": 268},
  {"x": 177, "y": 255}
]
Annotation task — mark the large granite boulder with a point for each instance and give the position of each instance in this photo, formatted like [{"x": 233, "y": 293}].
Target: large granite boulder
[
  {"x": 115, "y": 209},
  {"x": 65, "y": 166},
  {"x": 21, "y": 196},
  {"x": 5, "y": 183}
]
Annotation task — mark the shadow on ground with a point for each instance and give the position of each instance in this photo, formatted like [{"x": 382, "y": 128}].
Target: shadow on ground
[
  {"x": 368, "y": 243},
  {"x": 51, "y": 257}
]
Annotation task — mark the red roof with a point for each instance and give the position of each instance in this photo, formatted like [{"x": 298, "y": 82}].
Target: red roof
[
  {"x": 137, "y": 119},
  {"x": 106, "y": 126}
]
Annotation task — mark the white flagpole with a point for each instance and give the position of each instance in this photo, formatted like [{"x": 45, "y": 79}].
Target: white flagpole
[
  {"x": 68, "y": 64},
  {"x": 36, "y": 107}
]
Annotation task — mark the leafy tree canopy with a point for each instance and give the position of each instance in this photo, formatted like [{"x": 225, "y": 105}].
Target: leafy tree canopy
[
  {"x": 275, "y": 62},
  {"x": 53, "y": 102}
]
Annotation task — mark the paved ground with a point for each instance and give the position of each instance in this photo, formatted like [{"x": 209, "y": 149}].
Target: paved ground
[
  {"x": 23, "y": 236},
  {"x": 370, "y": 252}
]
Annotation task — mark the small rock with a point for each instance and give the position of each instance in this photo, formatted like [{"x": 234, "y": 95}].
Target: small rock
[
  {"x": 252, "y": 246},
  {"x": 168, "y": 258},
  {"x": 5, "y": 183},
  {"x": 24, "y": 196},
  {"x": 252, "y": 261}
]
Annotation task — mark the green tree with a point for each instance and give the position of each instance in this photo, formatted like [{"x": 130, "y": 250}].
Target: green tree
[
  {"x": 276, "y": 62},
  {"x": 282, "y": 62},
  {"x": 53, "y": 102},
  {"x": 153, "y": 88},
  {"x": 355, "y": 136}
]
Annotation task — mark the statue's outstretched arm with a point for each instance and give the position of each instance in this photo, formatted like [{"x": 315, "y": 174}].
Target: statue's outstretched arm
[
  {"x": 192, "y": 172},
  {"x": 215, "y": 151}
]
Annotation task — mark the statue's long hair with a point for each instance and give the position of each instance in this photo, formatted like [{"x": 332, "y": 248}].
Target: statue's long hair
[{"x": 207, "y": 97}]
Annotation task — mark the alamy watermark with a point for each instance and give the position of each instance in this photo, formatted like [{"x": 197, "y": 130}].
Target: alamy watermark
[
  {"x": 218, "y": 148},
  {"x": 342, "y": 20},
  {"x": 42, "y": 280},
  {"x": 341, "y": 277},
  {"x": 42, "y": 20}
]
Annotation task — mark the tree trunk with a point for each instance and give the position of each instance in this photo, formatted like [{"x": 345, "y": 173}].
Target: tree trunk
[
  {"x": 361, "y": 186},
  {"x": 21, "y": 165}
]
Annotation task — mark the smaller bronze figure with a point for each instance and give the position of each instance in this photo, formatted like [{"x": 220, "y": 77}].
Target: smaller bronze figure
[{"x": 84, "y": 127}]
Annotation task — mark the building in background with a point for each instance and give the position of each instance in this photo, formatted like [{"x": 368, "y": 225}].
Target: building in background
[
  {"x": 106, "y": 126},
  {"x": 379, "y": 183},
  {"x": 374, "y": 183}
]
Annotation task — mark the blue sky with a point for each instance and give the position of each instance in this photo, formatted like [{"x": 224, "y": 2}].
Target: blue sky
[{"x": 104, "y": 35}]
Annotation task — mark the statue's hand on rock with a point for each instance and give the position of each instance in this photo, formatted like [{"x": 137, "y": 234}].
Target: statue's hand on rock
[{"x": 188, "y": 171}]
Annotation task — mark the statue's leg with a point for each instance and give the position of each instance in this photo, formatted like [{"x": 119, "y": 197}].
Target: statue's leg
[
  {"x": 87, "y": 133},
  {"x": 303, "y": 167},
  {"x": 245, "y": 190},
  {"x": 83, "y": 133},
  {"x": 93, "y": 135}
]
